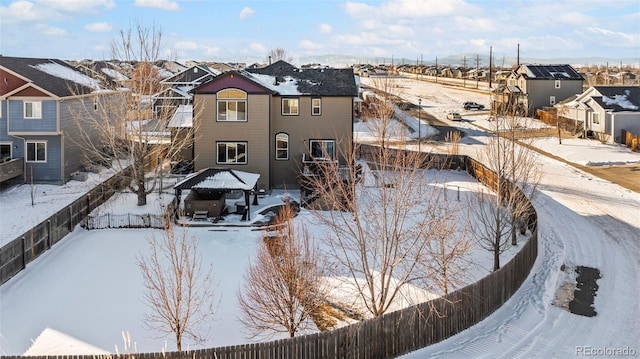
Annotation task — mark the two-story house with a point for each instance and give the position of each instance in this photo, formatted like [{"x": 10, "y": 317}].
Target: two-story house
[
  {"x": 270, "y": 120},
  {"x": 41, "y": 102},
  {"x": 532, "y": 87},
  {"x": 605, "y": 111}
]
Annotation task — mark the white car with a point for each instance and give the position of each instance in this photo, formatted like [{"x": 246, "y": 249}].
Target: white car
[{"x": 454, "y": 116}]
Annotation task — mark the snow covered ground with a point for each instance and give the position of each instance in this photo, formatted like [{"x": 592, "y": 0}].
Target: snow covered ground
[{"x": 583, "y": 221}]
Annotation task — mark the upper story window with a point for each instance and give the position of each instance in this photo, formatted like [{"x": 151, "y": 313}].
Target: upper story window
[
  {"x": 36, "y": 151},
  {"x": 290, "y": 106},
  {"x": 316, "y": 106},
  {"x": 95, "y": 104},
  {"x": 596, "y": 118},
  {"x": 33, "y": 109},
  {"x": 232, "y": 105},
  {"x": 232, "y": 152},
  {"x": 282, "y": 146},
  {"x": 557, "y": 84},
  {"x": 322, "y": 148}
]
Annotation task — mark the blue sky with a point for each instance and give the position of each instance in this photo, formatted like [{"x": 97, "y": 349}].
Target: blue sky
[{"x": 216, "y": 30}]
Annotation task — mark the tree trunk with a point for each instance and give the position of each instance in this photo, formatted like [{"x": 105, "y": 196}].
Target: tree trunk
[
  {"x": 496, "y": 253},
  {"x": 514, "y": 238}
]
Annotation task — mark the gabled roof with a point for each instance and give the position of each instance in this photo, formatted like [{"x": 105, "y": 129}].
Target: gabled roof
[
  {"x": 52, "y": 75},
  {"x": 219, "y": 179},
  {"x": 194, "y": 75},
  {"x": 286, "y": 79},
  {"x": 549, "y": 72},
  {"x": 619, "y": 98}
]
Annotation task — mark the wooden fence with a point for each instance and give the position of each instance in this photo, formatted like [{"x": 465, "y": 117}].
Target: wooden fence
[
  {"x": 15, "y": 255},
  {"x": 631, "y": 140},
  {"x": 395, "y": 333}
]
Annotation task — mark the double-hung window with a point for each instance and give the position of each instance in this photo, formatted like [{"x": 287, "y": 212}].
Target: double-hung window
[
  {"x": 232, "y": 105},
  {"x": 316, "y": 107},
  {"x": 290, "y": 106},
  {"x": 36, "y": 151},
  {"x": 322, "y": 148},
  {"x": 282, "y": 146},
  {"x": 33, "y": 109},
  {"x": 232, "y": 152},
  {"x": 595, "y": 118}
]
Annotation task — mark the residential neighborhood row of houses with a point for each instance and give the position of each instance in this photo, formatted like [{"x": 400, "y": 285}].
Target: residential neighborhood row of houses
[
  {"x": 592, "y": 75},
  {"x": 272, "y": 120}
]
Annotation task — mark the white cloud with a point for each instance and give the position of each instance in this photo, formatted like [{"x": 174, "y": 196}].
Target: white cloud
[
  {"x": 98, "y": 27},
  {"x": 24, "y": 11},
  {"x": 325, "y": 28},
  {"x": 78, "y": 6},
  {"x": 309, "y": 45},
  {"x": 50, "y": 30},
  {"x": 158, "y": 4},
  {"x": 246, "y": 13},
  {"x": 100, "y": 48},
  {"x": 258, "y": 48},
  {"x": 191, "y": 46}
]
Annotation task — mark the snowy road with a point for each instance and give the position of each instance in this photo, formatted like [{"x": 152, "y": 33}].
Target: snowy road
[{"x": 584, "y": 221}]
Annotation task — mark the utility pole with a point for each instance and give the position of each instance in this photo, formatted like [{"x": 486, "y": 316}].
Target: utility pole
[
  {"x": 464, "y": 71},
  {"x": 436, "y": 69},
  {"x": 477, "y": 68}
]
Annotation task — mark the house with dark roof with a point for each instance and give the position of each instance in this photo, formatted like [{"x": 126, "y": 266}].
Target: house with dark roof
[
  {"x": 605, "y": 111},
  {"x": 532, "y": 87},
  {"x": 274, "y": 120},
  {"x": 41, "y": 101}
]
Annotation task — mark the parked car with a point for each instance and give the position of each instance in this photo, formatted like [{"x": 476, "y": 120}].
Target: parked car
[
  {"x": 454, "y": 116},
  {"x": 472, "y": 105}
]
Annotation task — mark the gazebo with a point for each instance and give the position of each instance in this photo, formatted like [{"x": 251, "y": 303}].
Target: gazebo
[{"x": 210, "y": 186}]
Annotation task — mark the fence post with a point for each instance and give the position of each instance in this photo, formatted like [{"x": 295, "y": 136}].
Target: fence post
[
  {"x": 48, "y": 243},
  {"x": 24, "y": 248}
]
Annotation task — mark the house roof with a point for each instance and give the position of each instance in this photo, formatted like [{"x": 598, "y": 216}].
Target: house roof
[
  {"x": 286, "y": 79},
  {"x": 52, "y": 75},
  {"x": 219, "y": 179},
  {"x": 549, "y": 72},
  {"x": 182, "y": 118},
  {"x": 194, "y": 75}
]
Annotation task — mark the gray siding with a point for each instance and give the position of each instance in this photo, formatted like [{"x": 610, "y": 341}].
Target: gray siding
[
  {"x": 540, "y": 91},
  {"x": 17, "y": 122}
]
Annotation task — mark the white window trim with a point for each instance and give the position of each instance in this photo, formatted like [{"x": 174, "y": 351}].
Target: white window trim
[
  {"x": 287, "y": 149},
  {"x": 26, "y": 151},
  {"x": 227, "y": 101},
  {"x": 246, "y": 151},
  {"x": 319, "y": 107},
  {"x": 333, "y": 155},
  {"x": 297, "y": 106},
  {"x": 95, "y": 104},
  {"x": 24, "y": 110},
  {"x": 552, "y": 100},
  {"x": 557, "y": 84},
  {"x": 595, "y": 116}
]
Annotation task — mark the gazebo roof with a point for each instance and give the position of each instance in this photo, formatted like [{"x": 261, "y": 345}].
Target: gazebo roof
[{"x": 219, "y": 179}]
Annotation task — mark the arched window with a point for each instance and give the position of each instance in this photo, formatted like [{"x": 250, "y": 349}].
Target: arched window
[
  {"x": 232, "y": 105},
  {"x": 282, "y": 146}
]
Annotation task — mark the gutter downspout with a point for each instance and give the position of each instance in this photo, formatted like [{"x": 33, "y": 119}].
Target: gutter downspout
[{"x": 613, "y": 126}]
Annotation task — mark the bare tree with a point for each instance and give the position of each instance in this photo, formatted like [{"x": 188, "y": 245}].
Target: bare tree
[
  {"x": 126, "y": 133},
  {"x": 283, "y": 287},
  {"x": 380, "y": 221},
  {"x": 278, "y": 54},
  {"x": 449, "y": 260},
  {"x": 178, "y": 287},
  {"x": 517, "y": 175}
]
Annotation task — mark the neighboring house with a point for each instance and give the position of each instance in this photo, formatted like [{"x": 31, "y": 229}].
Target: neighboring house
[
  {"x": 274, "y": 120},
  {"x": 176, "y": 89},
  {"x": 40, "y": 103},
  {"x": 540, "y": 86},
  {"x": 606, "y": 111}
]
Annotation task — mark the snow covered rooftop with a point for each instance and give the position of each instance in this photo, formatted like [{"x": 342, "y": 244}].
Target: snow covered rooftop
[
  {"x": 183, "y": 117},
  {"x": 53, "y": 342},
  {"x": 220, "y": 179}
]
